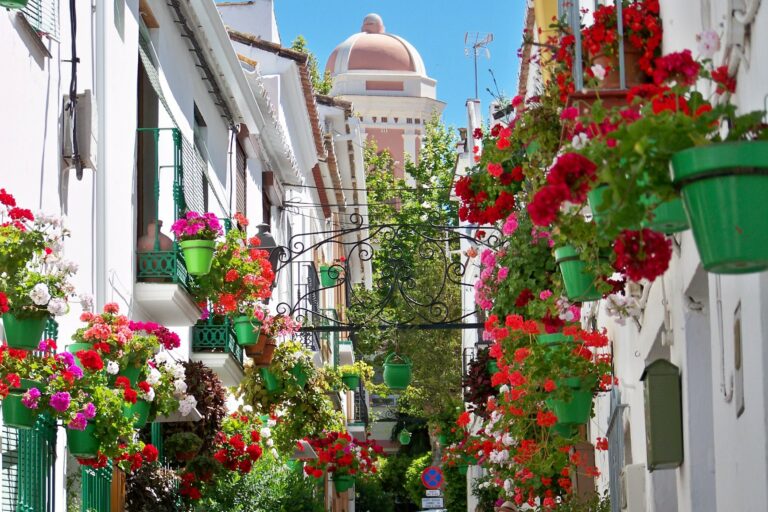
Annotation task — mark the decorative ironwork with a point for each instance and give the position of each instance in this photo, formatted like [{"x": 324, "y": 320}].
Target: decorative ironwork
[
  {"x": 209, "y": 336},
  {"x": 396, "y": 279}
]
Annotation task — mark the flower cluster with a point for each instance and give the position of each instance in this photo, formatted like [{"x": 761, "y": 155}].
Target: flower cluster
[
  {"x": 167, "y": 338},
  {"x": 341, "y": 454},
  {"x": 642, "y": 254},
  {"x": 569, "y": 179},
  {"x": 196, "y": 226},
  {"x": 166, "y": 386}
]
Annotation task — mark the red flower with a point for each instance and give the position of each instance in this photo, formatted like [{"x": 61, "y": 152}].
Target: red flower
[
  {"x": 144, "y": 386},
  {"x": 524, "y": 298},
  {"x": 725, "y": 82},
  {"x": 111, "y": 307},
  {"x": 643, "y": 254},
  {"x": 150, "y": 453},
  {"x": 601, "y": 444},
  {"x": 477, "y": 133},
  {"x": 463, "y": 420},
  {"x": 521, "y": 354},
  {"x": 13, "y": 380},
  {"x": 544, "y": 207},
  {"x": 254, "y": 452},
  {"x": 549, "y": 385},
  {"x": 20, "y": 214},
  {"x": 231, "y": 275},
  {"x": 545, "y": 418},
  {"x": 6, "y": 198},
  {"x": 90, "y": 359},
  {"x": 495, "y": 169},
  {"x": 3, "y": 301},
  {"x": 122, "y": 382},
  {"x": 130, "y": 395},
  {"x": 678, "y": 66}
]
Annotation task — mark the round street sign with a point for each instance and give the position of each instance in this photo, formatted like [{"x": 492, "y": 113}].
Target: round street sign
[{"x": 432, "y": 477}]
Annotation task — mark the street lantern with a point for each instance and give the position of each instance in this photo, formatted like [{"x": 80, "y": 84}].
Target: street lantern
[{"x": 268, "y": 244}]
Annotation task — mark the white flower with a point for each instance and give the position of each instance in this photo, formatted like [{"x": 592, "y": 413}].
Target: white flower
[
  {"x": 178, "y": 372},
  {"x": 247, "y": 409},
  {"x": 40, "y": 294},
  {"x": 58, "y": 307},
  {"x": 161, "y": 358},
  {"x": 269, "y": 443},
  {"x": 507, "y": 440},
  {"x": 266, "y": 432},
  {"x": 598, "y": 71},
  {"x": 68, "y": 267},
  {"x": 153, "y": 377},
  {"x": 508, "y": 485},
  {"x": 149, "y": 396},
  {"x": 503, "y": 389},
  {"x": 579, "y": 140},
  {"x": 86, "y": 301},
  {"x": 187, "y": 404},
  {"x": 112, "y": 367},
  {"x": 180, "y": 387},
  {"x": 709, "y": 43}
]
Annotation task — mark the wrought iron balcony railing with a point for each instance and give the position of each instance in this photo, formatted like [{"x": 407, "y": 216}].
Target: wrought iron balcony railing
[{"x": 217, "y": 336}]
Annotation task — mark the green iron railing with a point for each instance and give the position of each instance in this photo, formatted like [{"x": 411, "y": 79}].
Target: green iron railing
[
  {"x": 216, "y": 335},
  {"x": 159, "y": 264},
  {"x": 97, "y": 488}
]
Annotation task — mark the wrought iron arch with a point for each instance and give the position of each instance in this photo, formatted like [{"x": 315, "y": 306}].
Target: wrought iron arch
[{"x": 398, "y": 278}]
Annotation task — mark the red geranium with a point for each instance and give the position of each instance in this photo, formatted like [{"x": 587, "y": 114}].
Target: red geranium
[
  {"x": 90, "y": 359},
  {"x": 643, "y": 254}
]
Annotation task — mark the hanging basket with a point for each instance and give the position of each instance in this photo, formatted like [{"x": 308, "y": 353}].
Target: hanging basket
[
  {"x": 257, "y": 349},
  {"x": 271, "y": 383},
  {"x": 247, "y": 330},
  {"x": 83, "y": 443},
  {"x": 442, "y": 440},
  {"x": 351, "y": 380},
  {"x": 139, "y": 412},
  {"x": 264, "y": 358},
  {"x": 492, "y": 367},
  {"x": 579, "y": 283},
  {"x": 300, "y": 373},
  {"x": 463, "y": 468},
  {"x": 130, "y": 372},
  {"x": 198, "y": 255},
  {"x": 404, "y": 437},
  {"x": 397, "y": 375},
  {"x": 24, "y": 333},
  {"x": 668, "y": 218},
  {"x": 329, "y": 274},
  {"x": 724, "y": 188},
  {"x": 633, "y": 73},
  {"x": 343, "y": 482},
  {"x": 575, "y": 411},
  {"x": 14, "y": 4},
  {"x": 15, "y": 414}
]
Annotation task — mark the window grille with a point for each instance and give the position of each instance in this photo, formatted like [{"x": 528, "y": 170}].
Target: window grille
[{"x": 43, "y": 15}]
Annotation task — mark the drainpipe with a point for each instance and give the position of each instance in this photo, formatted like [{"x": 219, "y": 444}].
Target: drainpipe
[{"x": 100, "y": 176}]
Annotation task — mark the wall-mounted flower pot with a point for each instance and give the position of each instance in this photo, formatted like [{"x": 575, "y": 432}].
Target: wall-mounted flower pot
[
  {"x": 668, "y": 218},
  {"x": 566, "y": 430},
  {"x": 14, "y": 4},
  {"x": 463, "y": 468},
  {"x": 442, "y": 440},
  {"x": 492, "y": 366},
  {"x": 15, "y": 414},
  {"x": 246, "y": 330},
  {"x": 74, "y": 348},
  {"x": 554, "y": 339},
  {"x": 83, "y": 443},
  {"x": 632, "y": 72},
  {"x": 257, "y": 349},
  {"x": 24, "y": 333},
  {"x": 343, "y": 482},
  {"x": 398, "y": 371},
  {"x": 577, "y": 409},
  {"x": 579, "y": 283},
  {"x": 264, "y": 359},
  {"x": 724, "y": 188},
  {"x": 271, "y": 383},
  {"x": 130, "y": 372},
  {"x": 351, "y": 380},
  {"x": 329, "y": 274},
  {"x": 404, "y": 437},
  {"x": 300, "y": 373},
  {"x": 139, "y": 412},
  {"x": 198, "y": 255}
]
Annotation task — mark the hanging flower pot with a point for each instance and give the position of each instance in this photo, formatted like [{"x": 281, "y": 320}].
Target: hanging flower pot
[
  {"x": 554, "y": 339},
  {"x": 442, "y": 440},
  {"x": 668, "y": 217},
  {"x": 463, "y": 468},
  {"x": 264, "y": 358},
  {"x": 198, "y": 255},
  {"x": 14, "y": 4},
  {"x": 397, "y": 371},
  {"x": 493, "y": 366},
  {"x": 343, "y": 482},
  {"x": 633, "y": 74},
  {"x": 329, "y": 274},
  {"x": 566, "y": 430},
  {"x": 575, "y": 411},
  {"x": 271, "y": 383},
  {"x": 404, "y": 437},
  {"x": 247, "y": 330},
  {"x": 300, "y": 373},
  {"x": 139, "y": 412},
  {"x": 724, "y": 188},
  {"x": 130, "y": 372},
  {"x": 579, "y": 283},
  {"x": 15, "y": 413},
  {"x": 351, "y": 380},
  {"x": 74, "y": 348},
  {"x": 83, "y": 443},
  {"x": 24, "y": 333},
  {"x": 257, "y": 349}
]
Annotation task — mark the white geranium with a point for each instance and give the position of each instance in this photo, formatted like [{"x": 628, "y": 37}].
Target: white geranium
[
  {"x": 86, "y": 301},
  {"x": 112, "y": 367},
  {"x": 161, "y": 358},
  {"x": 178, "y": 371},
  {"x": 149, "y": 396},
  {"x": 266, "y": 432},
  {"x": 187, "y": 405},
  {"x": 269, "y": 443},
  {"x": 598, "y": 71},
  {"x": 40, "y": 294},
  {"x": 503, "y": 389},
  {"x": 58, "y": 307},
  {"x": 154, "y": 377},
  {"x": 708, "y": 43},
  {"x": 579, "y": 140},
  {"x": 179, "y": 386}
]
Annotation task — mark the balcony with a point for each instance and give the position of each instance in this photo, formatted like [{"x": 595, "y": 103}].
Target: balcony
[
  {"x": 162, "y": 281},
  {"x": 357, "y": 425},
  {"x": 215, "y": 345}
]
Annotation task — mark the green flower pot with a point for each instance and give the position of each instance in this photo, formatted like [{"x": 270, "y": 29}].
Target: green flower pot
[
  {"x": 565, "y": 430},
  {"x": 198, "y": 255},
  {"x": 343, "y": 482},
  {"x": 668, "y": 217},
  {"x": 14, "y": 4},
  {"x": 442, "y": 440},
  {"x": 404, "y": 437},
  {"x": 83, "y": 443},
  {"x": 552, "y": 340},
  {"x": 139, "y": 412},
  {"x": 246, "y": 330},
  {"x": 493, "y": 366},
  {"x": 579, "y": 284},
  {"x": 300, "y": 373},
  {"x": 132, "y": 373},
  {"x": 74, "y": 348},
  {"x": 397, "y": 375},
  {"x": 329, "y": 275},
  {"x": 351, "y": 380},
  {"x": 271, "y": 382},
  {"x": 724, "y": 188},
  {"x": 575, "y": 411},
  {"x": 24, "y": 333},
  {"x": 15, "y": 414},
  {"x": 463, "y": 468},
  {"x": 596, "y": 199}
]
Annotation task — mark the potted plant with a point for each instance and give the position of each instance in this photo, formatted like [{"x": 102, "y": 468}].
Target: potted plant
[
  {"x": 352, "y": 374},
  {"x": 343, "y": 457},
  {"x": 331, "y": 272},
  {"x": 184, "y": 446},
  {"x": 272, "y": 328},
  {"x": 196, "y": 234},
  {"x": 398, "y": 371}
]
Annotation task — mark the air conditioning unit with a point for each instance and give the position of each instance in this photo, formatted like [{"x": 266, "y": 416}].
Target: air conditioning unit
[
  {"x": 87, "y": 127},
  {"x": 633, "y": 488}
]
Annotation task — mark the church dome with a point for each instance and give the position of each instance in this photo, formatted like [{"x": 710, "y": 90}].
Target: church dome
[{"x": 372, "y": 49}]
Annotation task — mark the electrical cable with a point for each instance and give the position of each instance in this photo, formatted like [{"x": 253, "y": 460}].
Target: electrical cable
[
  {"x": 73, "y": 90},
  {"x": 357, "y": 189}
]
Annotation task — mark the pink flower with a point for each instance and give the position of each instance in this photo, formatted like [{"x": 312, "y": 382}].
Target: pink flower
[
  {"x": 60, "y": 401},
  {"x": 502, "y": 275},
  {"x": 510, "y": 225},
  {"x": 545, "y": 294},
  {"x": 79, "y": 422},
  {"x": 30, "y": 398}
]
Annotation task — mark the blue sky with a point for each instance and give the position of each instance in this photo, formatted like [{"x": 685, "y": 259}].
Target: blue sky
[{"x": 435, "y": 27}]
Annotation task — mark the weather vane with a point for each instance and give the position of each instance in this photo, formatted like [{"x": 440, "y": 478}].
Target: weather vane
[{"x": 474, "y": 43}]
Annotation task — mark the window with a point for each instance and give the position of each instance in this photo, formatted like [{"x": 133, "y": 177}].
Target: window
[
  {"x": 240, "y": 179},
  {"x": 42, "y": 15},
  {"x": 200, "y": 132}
]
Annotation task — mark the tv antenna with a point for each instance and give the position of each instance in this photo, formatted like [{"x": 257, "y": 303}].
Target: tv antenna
[{"x": 476, "y": 43}]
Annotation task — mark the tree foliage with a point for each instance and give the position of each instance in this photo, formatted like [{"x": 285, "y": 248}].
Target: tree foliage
[{"x": 322, "y": 82}]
